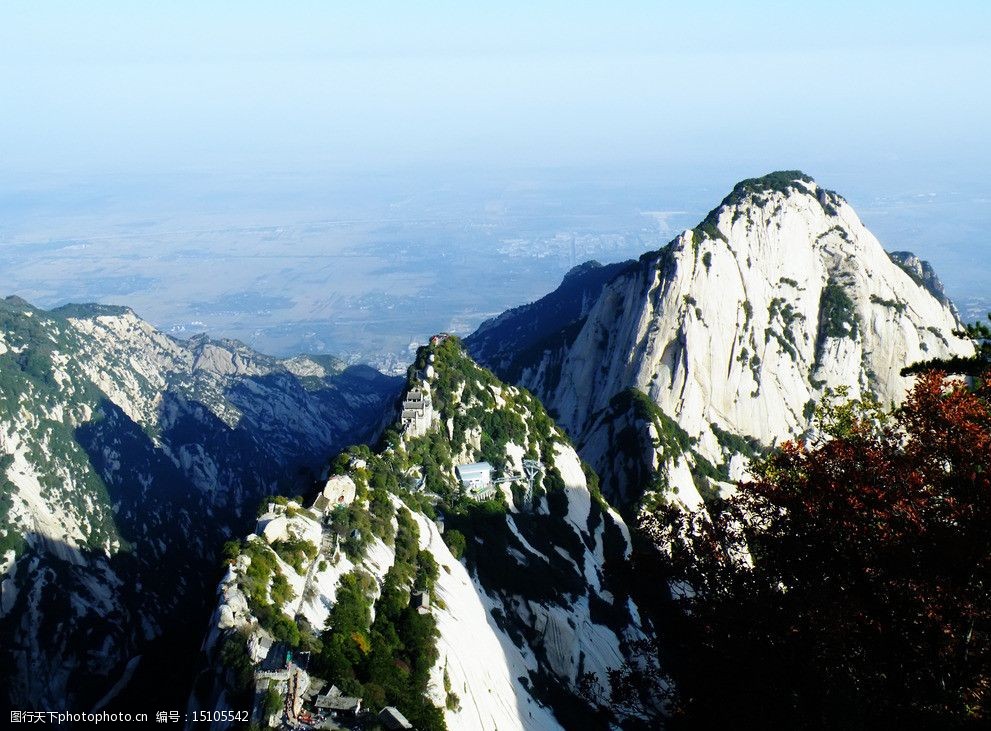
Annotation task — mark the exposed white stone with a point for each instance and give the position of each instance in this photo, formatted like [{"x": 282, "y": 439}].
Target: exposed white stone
[
  {"x": 676, "y": 326},
  {"x": 340, "y": 490}
]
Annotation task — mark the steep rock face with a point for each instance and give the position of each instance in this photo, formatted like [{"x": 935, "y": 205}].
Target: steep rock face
[
  {"x": 126, "y": 457},
  {"x": 515, "y": 337},
  {"x": 922, "y": 273},
  {"x": 531, "y": 618},
  {"x": 643, "y": 456},
  {"x": 739, "y": 325}
]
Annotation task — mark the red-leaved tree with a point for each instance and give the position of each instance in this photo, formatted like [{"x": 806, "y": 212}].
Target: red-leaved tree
[{"x": 848, "y": 585}]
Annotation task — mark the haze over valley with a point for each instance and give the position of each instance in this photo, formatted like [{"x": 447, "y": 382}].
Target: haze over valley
[{"x": 365, "y": 266}]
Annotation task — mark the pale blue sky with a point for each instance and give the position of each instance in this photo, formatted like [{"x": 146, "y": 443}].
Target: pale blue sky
[
  {"x": 114, "y": 86},
  {"x": 145, "y": 132}
]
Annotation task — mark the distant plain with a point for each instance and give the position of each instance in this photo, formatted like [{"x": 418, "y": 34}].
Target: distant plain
[{"x": 364, "y": 266}]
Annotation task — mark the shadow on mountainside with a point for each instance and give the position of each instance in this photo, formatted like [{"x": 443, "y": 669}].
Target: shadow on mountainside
[
  {"x": 178, "y": 491},
  {"x": 92, "y": 610}
]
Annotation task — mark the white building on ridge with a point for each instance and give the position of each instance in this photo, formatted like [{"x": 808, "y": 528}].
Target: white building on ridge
[{"x": 418, "y": 411}]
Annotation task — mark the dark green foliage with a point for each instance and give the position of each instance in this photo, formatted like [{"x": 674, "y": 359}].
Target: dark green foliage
[
  {"x": 736, "y": 444},
  {"x": 703, "y": 475},
  {"x": 708, "y": 229},
  {"x": 231, "y": 550},
  {"x": 758, "y": 191},
  {"x": 781, "y": 312},
  {"x": 262, "y": 579},
  {"x": 388, "y": 660},
  {"x": 234, "y": 655},
  {"x": 255, "y": 579},
  {"x": 27, "y": 382},
  {"x": 956, "y": 365},
  {"x": 36, "y": 365},
  {"x": 829, "y": 200},
  {"x": 976, "y": 366},
  {"x": 592, "y": 481},
  {"x": 30, "y": 331},
  {"x": 673, "y": 438},
  {"x": 782, "y": 181},
  {"x": 553, "y": 481},
  {"x": 281, "y": 591},
  {"x": 89, "y": 310},
  {"x": 499, "y": 427},
  {"x": 427, "y": 572},
  {"x": 271, "y": 702},
  {"x": 838, "y": 230},
  {"x": 707, "y": 260},
  {"x": 10, "y": 536},
  {"x": 352, "y": 525},
  {"x": 465, "y": 393},
  {"x": 455, "y": 541},
  {"x": 284, "y": 629},
  {"x": 380, "y": 512},
  {"x": 896, "y": 305},
  {"x": 755, "y": 364},
  {"x": 296, "y": 552},
  {"x": 837, "y": 313},
  {"x": 345, "y": 642}
]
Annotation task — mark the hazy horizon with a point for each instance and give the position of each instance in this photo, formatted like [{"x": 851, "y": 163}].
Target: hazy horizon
[{"x": 142, "y": 145}]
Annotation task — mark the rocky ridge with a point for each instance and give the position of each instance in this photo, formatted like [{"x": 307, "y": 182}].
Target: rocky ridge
[
  {"x": 529, "y": 624},
  {"x": 126, "y": 457}
]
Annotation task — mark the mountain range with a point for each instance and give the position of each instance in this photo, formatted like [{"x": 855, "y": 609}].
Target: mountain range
[
  {"x": 504, "y": 599},
  {"x": 128, "y": 458}
]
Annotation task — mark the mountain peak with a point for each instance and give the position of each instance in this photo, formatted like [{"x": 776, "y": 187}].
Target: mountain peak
[
  {"x": 777, "y": 178},
  {"x": 743, "y": 322},
  {"x": 785, "y": 182},
  {"x": 579, "y": 269},
  {"x": 747, "y": 196},
  {"x": 90, "y": 310}
]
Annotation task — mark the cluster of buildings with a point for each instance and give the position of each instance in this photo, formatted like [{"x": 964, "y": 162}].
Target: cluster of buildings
[
  {"x": 280, "y": 671},
  {"x": 304, "y": 704}
]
